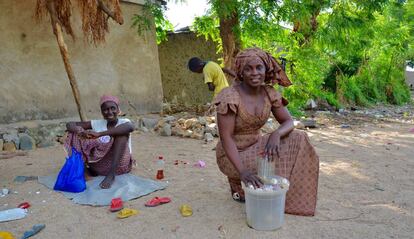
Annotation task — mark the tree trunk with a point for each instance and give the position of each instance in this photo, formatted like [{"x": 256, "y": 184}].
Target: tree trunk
[
  {"x": 230, "y": 36},
  {"x": 57, "y": 30}
]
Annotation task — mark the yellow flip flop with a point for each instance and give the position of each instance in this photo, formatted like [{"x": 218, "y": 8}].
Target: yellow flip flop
[
  {"x": 126, "y": 212},
  {"x": 6, "y": 235},
  {"x": 186, "y": 210}
]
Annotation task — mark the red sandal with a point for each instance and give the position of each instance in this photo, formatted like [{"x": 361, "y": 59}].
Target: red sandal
[
  {"x": 116, "y": 205},
  {"x": 157, "y": 201},
  {"x": 24, "y": 205}
]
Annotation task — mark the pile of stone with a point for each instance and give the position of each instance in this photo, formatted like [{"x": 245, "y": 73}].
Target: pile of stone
[
  {"x": 25, "y": 138},
  {"x": 202, "y": 128}
]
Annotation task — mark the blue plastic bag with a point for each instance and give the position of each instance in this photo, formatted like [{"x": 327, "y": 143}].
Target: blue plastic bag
[{"x": 71, "y": 177}]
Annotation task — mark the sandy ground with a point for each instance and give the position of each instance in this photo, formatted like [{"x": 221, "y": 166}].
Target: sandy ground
[{"x": 366, "y": 190}]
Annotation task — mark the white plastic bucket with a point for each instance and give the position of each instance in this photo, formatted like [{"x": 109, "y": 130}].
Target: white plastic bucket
[{"x": 265, "y": 209}]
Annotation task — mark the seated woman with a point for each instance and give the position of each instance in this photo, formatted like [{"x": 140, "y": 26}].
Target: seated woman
[
  {"x": 242, "y": 110},
  {"x": 105, "y": 144}
]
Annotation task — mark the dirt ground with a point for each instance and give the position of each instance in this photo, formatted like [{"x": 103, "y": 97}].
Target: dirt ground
[{"x": 366, "y": 190}]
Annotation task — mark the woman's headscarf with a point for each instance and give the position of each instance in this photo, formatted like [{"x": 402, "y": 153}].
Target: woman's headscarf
[
  {"x": 274, "y": 73},
  {"x": 106, "y": 98}
]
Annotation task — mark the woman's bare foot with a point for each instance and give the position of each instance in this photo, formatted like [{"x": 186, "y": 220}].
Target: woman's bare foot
[{"x": 107, "y": 182}]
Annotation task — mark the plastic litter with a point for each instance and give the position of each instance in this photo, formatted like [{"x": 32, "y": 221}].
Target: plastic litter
[
  {"x": 35, "y": 229},
  {"x": 6, "y": 235},
  {"x": 24, "y": 205},
  {"x": 116, "y": 205},
  {"x": 157, "y": 201},
  {"x": 21, "y": 179},
  {"x": 186, "y": 210},
  {"x": 200, "y": 164},
  {"x": 126, "y": 212},
  {"x": 12, "y": 214},
  {"x": 71, "y": 177}
]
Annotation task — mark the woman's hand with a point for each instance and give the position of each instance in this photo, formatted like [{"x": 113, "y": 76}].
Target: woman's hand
[
  {"x": 90, "y": 134},
  {"x": 247, "y": 177},
  {"x": 272, "y": 146}
]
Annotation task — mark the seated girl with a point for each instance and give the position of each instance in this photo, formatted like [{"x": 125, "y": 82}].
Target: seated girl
[
  {"x": 105, "y": 144},
  {"x": 242, "y": 110}
]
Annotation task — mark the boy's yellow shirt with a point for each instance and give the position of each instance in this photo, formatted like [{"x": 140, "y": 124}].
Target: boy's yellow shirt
[{"x": 214, "y": 74}]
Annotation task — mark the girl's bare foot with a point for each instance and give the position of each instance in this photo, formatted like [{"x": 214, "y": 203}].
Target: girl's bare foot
[{"x": 107, "y": 182}]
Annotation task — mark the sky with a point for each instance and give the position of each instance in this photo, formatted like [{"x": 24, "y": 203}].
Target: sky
[{"x": 182, "y": 14}]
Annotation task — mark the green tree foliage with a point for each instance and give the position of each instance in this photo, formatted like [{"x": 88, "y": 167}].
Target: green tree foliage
[
  {"x": 142, "y": 21},
  {"x": 343, "y": 51}
]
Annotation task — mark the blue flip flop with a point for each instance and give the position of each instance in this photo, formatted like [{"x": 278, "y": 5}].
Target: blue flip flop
[{"x": 35, "y": 229}]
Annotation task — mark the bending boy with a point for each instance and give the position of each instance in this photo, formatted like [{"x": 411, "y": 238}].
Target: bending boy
[{"x": 213, "y": 74}]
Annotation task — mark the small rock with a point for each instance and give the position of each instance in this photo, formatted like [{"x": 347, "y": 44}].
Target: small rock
[
  {"x": 208, "y": 137},
  {"x": 196, "y": 135},
  {"x": 187, "y": 133},
  {"x": 309, "y": 123},
  {"x": 12, "y": 137},
  {"x": 202, "y": 120},
  {"x": 212, "y": 129},
  {"x": 310, "y": 104},
  {"x": 345, "y": 126},
  {"x": 22, "y": 129},
  {"x": 169, "y": 119},
  {"x": 210, "y": 119},
  {"x": 190, "y": 123},
  {"x": 160, "y": 125},
  {"x": 322, "y": 104},
  {"x": 149, "y": 123},
  {"x": 166, "y": 130},
  {"x": 298, "y": 124},
  {"x": 181, "y": 121},
  {"x": 26, "y": 142},
  {"x": 9, "y": 147},
  {"x": 177, "y": 131},
  {"x": 5, "y": 191}
]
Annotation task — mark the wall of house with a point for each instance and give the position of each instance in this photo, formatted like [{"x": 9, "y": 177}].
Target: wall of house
[
  {"x": 33, "y": 80},
  {"x": 409, "y": 76},
  {"x": 180, "y": 85}
]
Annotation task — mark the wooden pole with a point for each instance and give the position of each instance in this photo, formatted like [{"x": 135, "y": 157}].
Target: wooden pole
[{"x": 57, "y": 30}]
